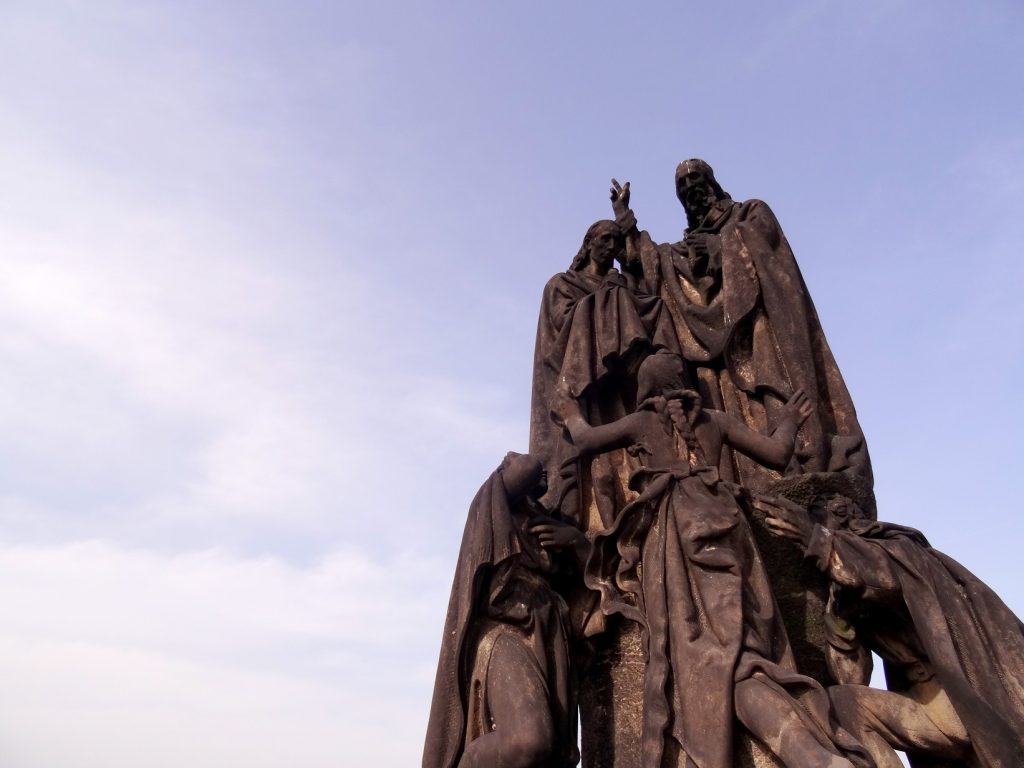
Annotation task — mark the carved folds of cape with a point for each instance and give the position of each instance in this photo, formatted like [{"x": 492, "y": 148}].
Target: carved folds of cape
[
  {"x": 972, "y": 640},
  {"x": 498, "y": 595},
  {"x": 591, "y": 335},
  {"x": 681, "y": 560},
  {"x": 747, "y": 322}
]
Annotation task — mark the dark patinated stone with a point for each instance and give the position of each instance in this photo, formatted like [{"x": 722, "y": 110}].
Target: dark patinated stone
[
  {"x": 704, "y": 572},
  {"x": 611, "y": 698}
]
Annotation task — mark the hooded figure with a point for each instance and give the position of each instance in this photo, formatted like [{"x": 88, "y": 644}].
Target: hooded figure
[
  {"x": 746, "y": 324},
  {"x": 953, "y": 651},
  {"x": 502, "y": 696}
]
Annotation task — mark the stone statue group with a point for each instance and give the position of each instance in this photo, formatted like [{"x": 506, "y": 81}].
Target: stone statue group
[{"x": 688, "y": 562}]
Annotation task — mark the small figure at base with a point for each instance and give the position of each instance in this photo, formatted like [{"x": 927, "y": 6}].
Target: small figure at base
[{"x": 503, "y": 696}]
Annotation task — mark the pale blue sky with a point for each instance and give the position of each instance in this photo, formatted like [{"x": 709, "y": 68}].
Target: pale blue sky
[{"x": 270, "y": 281}]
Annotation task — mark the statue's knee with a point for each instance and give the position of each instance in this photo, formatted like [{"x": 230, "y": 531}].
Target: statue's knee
[{"x": 529, "y": 748}]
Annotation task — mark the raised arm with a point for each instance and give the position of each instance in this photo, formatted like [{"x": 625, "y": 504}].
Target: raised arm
[
  {"x": 773, "y": 450},
  {"x": 626, "y": 220},
  {"x": 641, "y": 258}
]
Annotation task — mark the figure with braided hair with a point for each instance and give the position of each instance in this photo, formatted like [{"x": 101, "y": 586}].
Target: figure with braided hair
[{"x": 680, "y": 560}]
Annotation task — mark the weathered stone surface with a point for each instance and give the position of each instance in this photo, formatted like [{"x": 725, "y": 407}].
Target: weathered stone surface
[
  {"x": 611, "y": 698},
  {"x": 711, "y": 484},
  {"x": 611, "y": 707}
]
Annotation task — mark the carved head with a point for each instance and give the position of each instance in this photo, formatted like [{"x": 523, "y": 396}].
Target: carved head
[
  {"x": 840, "y": 510},
  {"x": 603, "y": 242},
  {"x": 661, "y": 375},
  {"x": 697, "y": 190},
  {"x": 523, "y": 474}
]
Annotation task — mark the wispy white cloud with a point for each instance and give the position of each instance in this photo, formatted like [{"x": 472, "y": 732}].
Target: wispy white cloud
[
  {"x": 217, "y": 659},
  {"x": 158, "y": 338},
  {"x": 189, "y": 361},
  {"x": 257, "y": 263}
]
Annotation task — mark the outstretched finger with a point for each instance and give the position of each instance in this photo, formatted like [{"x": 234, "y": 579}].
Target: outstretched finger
[
  {"x": 779, "y": 514},
  {"x": 779, "y": 527}
]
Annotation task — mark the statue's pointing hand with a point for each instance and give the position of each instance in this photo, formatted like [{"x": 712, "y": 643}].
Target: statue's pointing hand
[
  {"x": 554, "y": 534},
  {"x": 620, "y": 198},
  {"x": 785, "y": 518}
]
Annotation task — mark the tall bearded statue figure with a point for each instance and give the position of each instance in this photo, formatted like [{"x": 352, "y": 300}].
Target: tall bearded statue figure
[{"x": 746, "y": 324}]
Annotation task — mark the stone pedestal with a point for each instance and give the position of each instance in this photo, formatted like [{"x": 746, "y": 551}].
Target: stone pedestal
[
  {"x": 611, "y": 698},
  {"x": 611, "y": 707}
]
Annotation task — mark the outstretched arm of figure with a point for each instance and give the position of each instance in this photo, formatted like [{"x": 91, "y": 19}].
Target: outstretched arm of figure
[
  {"x": 773, "y": 450},
  {"x": 557, "y": 535},
  {"x": 847, "y": 658},
  {"x": 607, "y": 437},
  {"x": 847, "y": 559},
  {"x": 588, "y": 440}
]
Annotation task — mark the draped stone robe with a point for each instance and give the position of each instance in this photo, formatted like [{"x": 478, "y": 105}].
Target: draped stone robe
[
  {"x": 745, "y": 321},
  {"x": 591, "y": 335},
  {"x": 900, "y": 594}
]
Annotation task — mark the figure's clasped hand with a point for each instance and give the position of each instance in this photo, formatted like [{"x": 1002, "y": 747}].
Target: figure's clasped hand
[
  {"x": 554, "y": 534},
  {"x": 697, "y": 244}
]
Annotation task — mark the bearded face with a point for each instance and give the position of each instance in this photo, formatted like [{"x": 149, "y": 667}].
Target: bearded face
[{"x": 695, "y": 192}]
